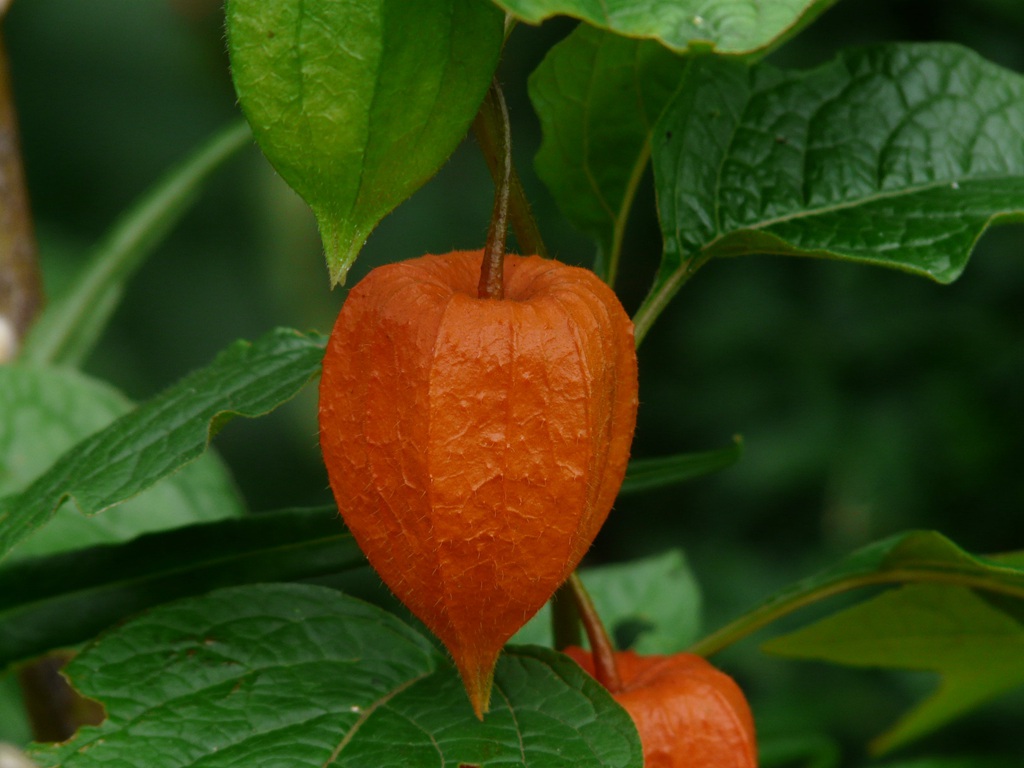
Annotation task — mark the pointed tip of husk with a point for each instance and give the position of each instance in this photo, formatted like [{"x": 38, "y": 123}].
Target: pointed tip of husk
[{"x": 478, "y": 678}]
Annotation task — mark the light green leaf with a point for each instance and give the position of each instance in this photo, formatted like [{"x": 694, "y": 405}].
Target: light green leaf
[
  {"x": 295, "y": 675},
  {"x": 728, "y": 26},
  {"x": 357, "y": 104},
  {"x": 652, "y": 605},
  {"x": 598, "y": 96},
  {"x": 68, "y": 329},
  {"x": 645, "y": 474},
  {"x": 54, "y": 602},
  {"x": 47, "y": 410},
  {"x": 915, "y": 556},
  {"x": 165, "y": 433},
  {"x": 976, "y": 648},
  {"x": 896, "y": 155}
]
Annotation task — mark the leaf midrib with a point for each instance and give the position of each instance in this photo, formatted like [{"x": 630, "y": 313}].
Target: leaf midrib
[{"x": 807, "y": 213}]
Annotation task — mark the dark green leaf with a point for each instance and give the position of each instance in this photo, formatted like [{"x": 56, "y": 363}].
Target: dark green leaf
[
  {"x": 977, "y": 649},
  {"x": 645, "y": 474},
  {"x": 598, "y": 96},
  {"x": 304, "y": 676},
  {"x": 897, "y": 155},
  {"x": 66, "y": 599},
  {"x": 652, "y": 605},
  {"x": 357, "y": 104},
  {"x": 50, "y": 409},
  {"x": 165, "y": 433},
  {"x": 70, "y": 326},
  {"x": 729, "y": 26}
]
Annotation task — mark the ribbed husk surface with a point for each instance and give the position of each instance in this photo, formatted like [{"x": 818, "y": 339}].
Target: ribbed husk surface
[{"x": 475, "y": 446}]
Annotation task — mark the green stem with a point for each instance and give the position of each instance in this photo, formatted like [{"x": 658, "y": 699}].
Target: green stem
[
  {"x": 660, "y": 296},
  {"x": 66, "y": 333},
  {"x": 565, "y": 619},
  {"x": 488, "y": 128},
  {"x": 611, "y": 264},
  {"x": 800, "y": 597}
]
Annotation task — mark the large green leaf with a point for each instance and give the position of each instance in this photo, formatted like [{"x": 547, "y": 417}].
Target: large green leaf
[
  {"x": 165, "y": 433},
  {"x": 652, "y": 605},
  {"x": 598, "y": 96},
  {"x": 896, "y": 155},
  {"x": 977, "y": 648},
  {"x": 289, "y": 675},
  {"x": 357, "y": 104},
  {"x": 729, "y": 26},
  {"x": 54, "y": 602},
  {"x": 46, "y": 411}
]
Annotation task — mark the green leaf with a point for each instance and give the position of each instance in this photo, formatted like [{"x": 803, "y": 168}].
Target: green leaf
[
  {"x": 296, "y": 675},
  {"x": 598, "y": 96},
  {"x": 49, "y": 410},
  {"x": 165, "y": 433},
  {"x": 976, "y": 648},
  {"x": 652, "y": 605},
  {"x": 728, "y": 26},
  {"x": 63, "y": 600},
  {"x": 70, "y": 326},
  {"x": 916, "y": 556},
  {"x": 14, "y": 725},
  {"x": 897, "y": 155},
  {"x": 646, "y": 474},
  {"x": 357, "y": 104}
]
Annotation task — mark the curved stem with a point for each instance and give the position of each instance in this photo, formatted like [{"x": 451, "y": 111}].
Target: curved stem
[
  {"x": 611, "y": 261},
  {"x": 492, "y": 268},
  {"x": 796, "y": 598},
  {"x": 606, "y": 671},
  {"x": 488, "y": 129},
  {"x": 660, "y": 296},
  {"x": 68, "y": 330}
]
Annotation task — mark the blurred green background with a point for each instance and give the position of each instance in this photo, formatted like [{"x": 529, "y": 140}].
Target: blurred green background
[{"x": 869, "y": 401}]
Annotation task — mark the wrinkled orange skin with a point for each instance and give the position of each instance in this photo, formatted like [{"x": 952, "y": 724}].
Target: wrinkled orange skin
[
  {"x": 475, "y": 446},
  {"x": 688, "y": 714}
]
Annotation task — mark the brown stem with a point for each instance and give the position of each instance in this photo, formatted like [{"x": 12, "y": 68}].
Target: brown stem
[
  {"x": 488, "y": 131},
  {"x": 54, "y": 708},
  {"x": 493, "y": 266},
  {"x": 606, "y": 672},
  {"x": 20, "y": 284}
]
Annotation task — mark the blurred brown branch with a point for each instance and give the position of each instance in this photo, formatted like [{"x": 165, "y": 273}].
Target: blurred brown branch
[{"x": 20, "y": 283}]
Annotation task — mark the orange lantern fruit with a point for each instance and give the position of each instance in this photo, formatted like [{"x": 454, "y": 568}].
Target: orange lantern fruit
[
  {"x": 475, "y": 445},
  {"x": 688, "y": 713}
]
